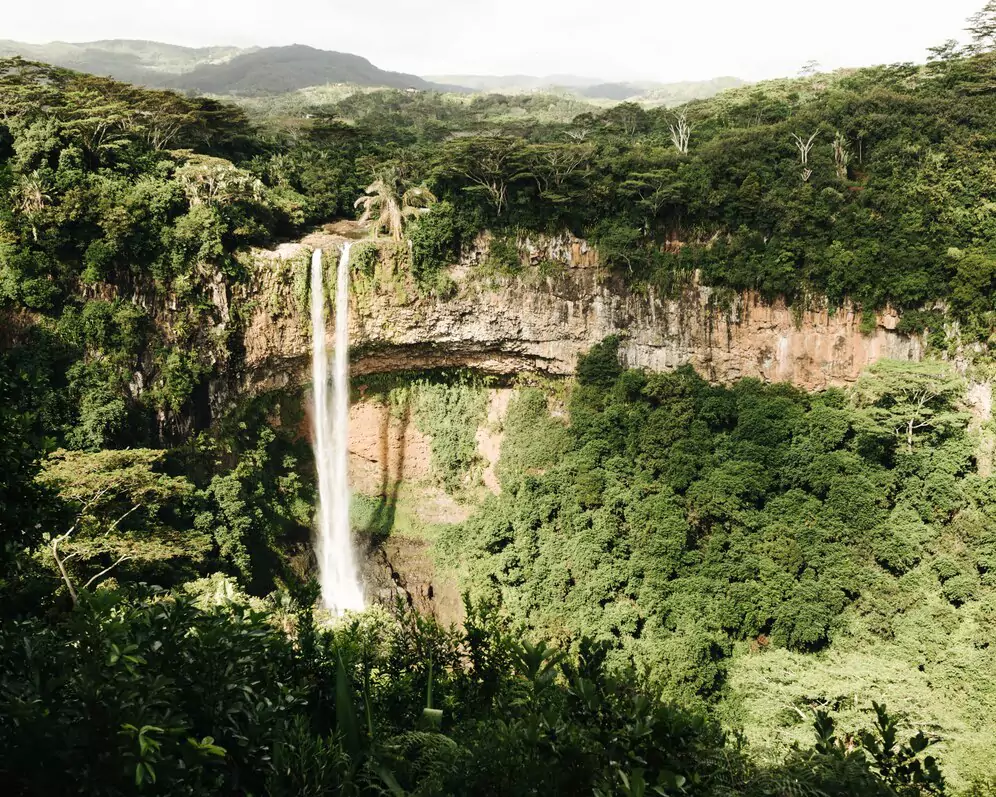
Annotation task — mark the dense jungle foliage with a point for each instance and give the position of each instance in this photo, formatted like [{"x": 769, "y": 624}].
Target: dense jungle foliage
[
  {"x": 709, "y": 535},
  {"x": 118, "y": 202},
  {"x": 868, "y": 184},
  {"x": 157, "y": 694},
  {"x": 718, "y": 573}
]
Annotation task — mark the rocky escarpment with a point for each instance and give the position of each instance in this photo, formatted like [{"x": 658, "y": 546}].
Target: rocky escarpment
[{"x": 543, "y": 318}]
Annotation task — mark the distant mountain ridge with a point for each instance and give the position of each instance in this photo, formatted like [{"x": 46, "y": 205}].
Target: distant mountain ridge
[
  {"x": 507, "y": 83},
  {"x": 145, "y": 63},
  {"x": 261, "y": 71},
  {"x": 217, "y": 70},
  {"x": 674, "y": 93},
  {"x": 276, "y": 70}
]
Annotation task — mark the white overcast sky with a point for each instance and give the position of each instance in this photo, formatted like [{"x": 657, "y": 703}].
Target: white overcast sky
[{"x": 613, "y": 39}]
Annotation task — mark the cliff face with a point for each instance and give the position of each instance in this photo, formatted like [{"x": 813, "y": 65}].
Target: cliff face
[{"x": 543, "y": 318}]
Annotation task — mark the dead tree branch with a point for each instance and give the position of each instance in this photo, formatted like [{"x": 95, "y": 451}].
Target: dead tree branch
[
  {"x": 60, "y": 561},
  {"x": 681, "y": 132}
]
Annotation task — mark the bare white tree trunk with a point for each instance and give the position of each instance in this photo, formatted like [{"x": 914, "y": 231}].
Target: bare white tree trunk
[
  {"x": 841, "y": 155},
  {"x": 681, "y": 132},
  {"x": 61, "y": 561},
  {"x": 805, "y": 147}
]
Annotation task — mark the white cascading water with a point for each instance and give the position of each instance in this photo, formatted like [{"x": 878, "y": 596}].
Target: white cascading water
[{"x": 341, "y": 590}]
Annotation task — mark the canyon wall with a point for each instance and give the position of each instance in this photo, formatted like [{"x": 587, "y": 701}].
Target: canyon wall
[{"x": 543, "y": 318}]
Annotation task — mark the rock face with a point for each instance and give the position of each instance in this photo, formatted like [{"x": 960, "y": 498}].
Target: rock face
[
  {"x": 558, "y": 307},
  {"x": 384, "y": 449}
]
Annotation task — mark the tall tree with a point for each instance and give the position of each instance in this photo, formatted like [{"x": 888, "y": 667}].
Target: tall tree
[
  {"x": 841, "y": 154},
  {"x": 982, "y": 26},
  {"x": 681, "y": 132},
  {"x": 910, "y": 401},
  {"x": 119, "y": 496},
  {"x": 30, "y": 198},
  {"x": 207, "y": 180},
  {"x": 489, "y": 164},
  {"x": 388, "y": 205},
  {"x": 805, "y": 146}
]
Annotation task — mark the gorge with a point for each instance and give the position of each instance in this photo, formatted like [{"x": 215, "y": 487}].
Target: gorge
[
  {"x": 380, "y": 441},
  {"x": 506, "y": 327}
]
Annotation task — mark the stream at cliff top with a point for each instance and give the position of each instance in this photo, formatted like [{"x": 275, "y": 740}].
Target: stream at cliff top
[{"x": 338, "y": 573}]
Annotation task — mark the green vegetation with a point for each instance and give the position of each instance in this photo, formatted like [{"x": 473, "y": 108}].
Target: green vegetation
[
  {"x": 113, "y": 199},
  {"x": 703, "y": 534},
  {"x": 388, "y": 206},
  {"x": 450, "y": 416},
  {"x": 448, "y": 407},
  {"x": 176, "y": 699},
  {"x": 880, "y": 212},
  {"x": 533, "y": 440},
  {"x": 857, "y": 185},
  {"x": 434, "y": 237}
]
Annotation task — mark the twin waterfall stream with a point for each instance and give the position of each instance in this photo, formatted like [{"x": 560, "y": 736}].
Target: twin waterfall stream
[{"x": 338, "y": 573}]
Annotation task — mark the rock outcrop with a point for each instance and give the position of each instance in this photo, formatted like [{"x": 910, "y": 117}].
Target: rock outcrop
[{"x": 542, "y": 319}]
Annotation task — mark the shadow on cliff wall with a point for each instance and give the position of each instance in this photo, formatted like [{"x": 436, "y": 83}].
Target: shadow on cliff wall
[{"x": 382, "y": 520}]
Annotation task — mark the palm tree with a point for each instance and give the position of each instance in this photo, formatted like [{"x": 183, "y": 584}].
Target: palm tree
[
  {"x": 31, "y": 199},
  {"x": 388, "y": 207}
]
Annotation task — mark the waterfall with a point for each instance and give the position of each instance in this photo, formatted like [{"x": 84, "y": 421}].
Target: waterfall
[{"x": 341, "y": 590}]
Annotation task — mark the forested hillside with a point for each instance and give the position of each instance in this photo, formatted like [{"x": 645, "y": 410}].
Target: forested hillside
[
  {"x": 249, "y": 71},
  {"x": 682, "y": 588},
  {"x": 885, "y": 209},
  {"x": 145, "y": 63},
  {"x": 275, "y": 70},
  {"x": 709, "y": 536}
]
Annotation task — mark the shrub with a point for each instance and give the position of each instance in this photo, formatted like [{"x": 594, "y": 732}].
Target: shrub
[
  {"x": 435, "y": 241},
  {"x": 503, "y": 256},
  {"x": 363, "y": 258},
  {"x": 532, "y": 439},
  {"x": 600, "y": 367}
]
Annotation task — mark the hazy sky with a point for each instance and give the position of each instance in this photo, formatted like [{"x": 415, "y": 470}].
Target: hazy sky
[{"x": 651, "y": 39}]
